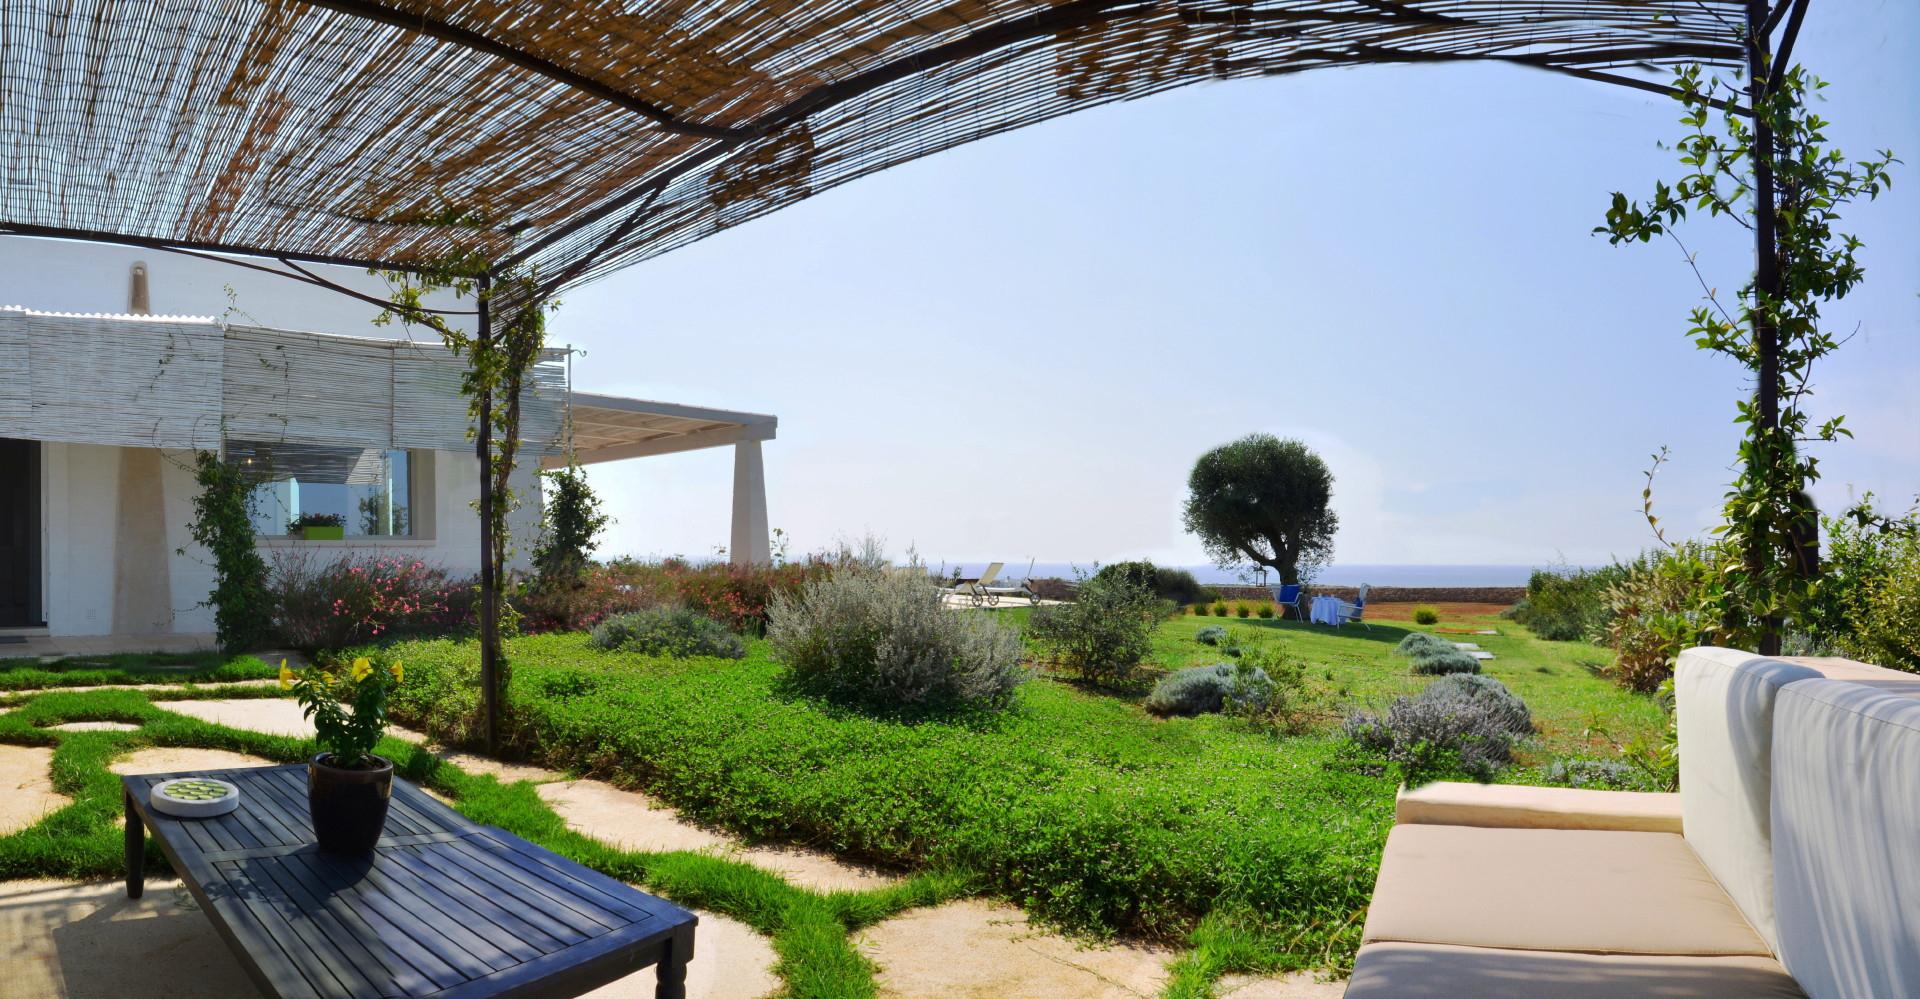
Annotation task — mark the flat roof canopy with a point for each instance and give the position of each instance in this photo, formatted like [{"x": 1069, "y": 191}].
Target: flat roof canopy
[{"x": 612, "y": 428}]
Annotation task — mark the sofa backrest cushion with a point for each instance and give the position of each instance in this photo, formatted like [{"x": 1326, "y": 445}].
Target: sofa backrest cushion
[
  {"x": 1725, "y": 702},
  {"x": 1846, "y": 837}
]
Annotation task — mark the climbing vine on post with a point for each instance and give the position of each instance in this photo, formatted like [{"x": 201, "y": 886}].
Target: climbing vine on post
[
  {"x": 1774, "y": 174},
  {"x": 223, "y": 524},
  {"x": 511, "y": 330}
]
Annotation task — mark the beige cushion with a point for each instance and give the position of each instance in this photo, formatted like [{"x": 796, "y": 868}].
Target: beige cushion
[
  {"x": 1414, "y": 971},
  {"x": 1725, "y": 707},
  {"x": 1846, "y": 838},
  {"x": 1864, "y": 674},
  {"x": 1553, "y": 889},
  {"x": 1512, "y": 806}
]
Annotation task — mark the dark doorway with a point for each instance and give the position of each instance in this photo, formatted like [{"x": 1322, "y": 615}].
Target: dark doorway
[{"x": 19, "y": 532}]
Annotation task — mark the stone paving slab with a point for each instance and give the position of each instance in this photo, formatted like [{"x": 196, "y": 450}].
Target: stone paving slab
[
  {"x": 974, "y": 949},
  {"x": 271, "y": 715},
  {"x": 26, "y": 787},
  {"x": 176, "y": 759},
  {"x": 632, "y": 820},
  {"x": 177, "y": 685},
  {"x": 94, "y": 726},
  {"x": 500, "y": 770}
]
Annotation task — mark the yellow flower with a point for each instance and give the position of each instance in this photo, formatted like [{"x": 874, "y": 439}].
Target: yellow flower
[
  {"x": 399, "y": 673},
  {"x": 361, "y": 669},
  {"x": 286, "y": 676},
  {"x": 328, "y": 677}
]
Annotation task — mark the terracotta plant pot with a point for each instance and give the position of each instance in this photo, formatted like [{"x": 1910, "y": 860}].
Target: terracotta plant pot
[{"x": 349, "y": 807}]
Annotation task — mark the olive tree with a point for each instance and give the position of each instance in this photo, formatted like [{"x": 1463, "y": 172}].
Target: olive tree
[{"x": 1265, "y": 501}]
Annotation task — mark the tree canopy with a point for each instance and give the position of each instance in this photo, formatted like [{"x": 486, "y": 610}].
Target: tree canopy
[{"x": 1265, "y": 501}]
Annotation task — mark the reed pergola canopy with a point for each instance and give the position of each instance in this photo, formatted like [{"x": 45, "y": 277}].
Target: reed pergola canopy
[{"x": 574, "y": 137}]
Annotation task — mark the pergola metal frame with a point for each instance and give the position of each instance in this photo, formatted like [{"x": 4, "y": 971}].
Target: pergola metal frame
[{"x": 590, "y": 134}]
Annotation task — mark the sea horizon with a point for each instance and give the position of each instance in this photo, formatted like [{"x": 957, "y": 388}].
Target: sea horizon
[{"x": 1338, "y": 574}]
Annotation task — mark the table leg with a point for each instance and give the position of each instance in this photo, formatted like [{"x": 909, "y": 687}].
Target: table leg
[
  {"x": 673, "y": 968},
  {"x": 136, "y": 851}
]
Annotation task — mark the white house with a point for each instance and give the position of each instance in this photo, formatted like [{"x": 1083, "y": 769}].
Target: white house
[{"x": 105, "y": 398}]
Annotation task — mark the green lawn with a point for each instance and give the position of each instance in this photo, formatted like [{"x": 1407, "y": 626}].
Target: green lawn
[
  {"x": 92, "y": 671},
  {"x": 1356, "y": 665}
]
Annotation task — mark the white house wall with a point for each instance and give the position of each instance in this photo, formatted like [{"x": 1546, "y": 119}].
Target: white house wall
[
  {"x": 88, "y": 564},
  {"x": 90, "y": 544}
]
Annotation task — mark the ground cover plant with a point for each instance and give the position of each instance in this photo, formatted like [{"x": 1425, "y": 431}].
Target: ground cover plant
[{"x": 1076, "y": 805}]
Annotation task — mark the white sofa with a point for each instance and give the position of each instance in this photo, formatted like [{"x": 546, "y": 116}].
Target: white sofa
[{"x": 1787, "y": 866}]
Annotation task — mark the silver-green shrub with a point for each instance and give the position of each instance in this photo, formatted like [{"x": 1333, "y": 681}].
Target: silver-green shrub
[
  {"x": 1611, "y": 775},
  {"x": 1464, "y": 722},
  {"x": 868, "y": 632},
  {"x": 1445, "y": 661},
  {"x": 1435, "y": 656},
  {"x": 1212, "y": 634},
  {"x": 667, "y": 631},
  {"x": 1418, "y": 642},
  {"x": 1200, "y": 690}
]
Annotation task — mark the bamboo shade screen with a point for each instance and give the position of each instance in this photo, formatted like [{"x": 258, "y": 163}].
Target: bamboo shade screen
[
  {"x": 90, "y": 379},
  {"x": 572, "y": 137},
  {"x": 141, "y": 381}
]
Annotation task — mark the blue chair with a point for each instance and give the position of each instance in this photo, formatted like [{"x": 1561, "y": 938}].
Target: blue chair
[{"x": 1288, "y": 595}]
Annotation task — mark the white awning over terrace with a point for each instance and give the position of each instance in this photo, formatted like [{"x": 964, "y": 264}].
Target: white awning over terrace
[{"x": 613, "y": 428}]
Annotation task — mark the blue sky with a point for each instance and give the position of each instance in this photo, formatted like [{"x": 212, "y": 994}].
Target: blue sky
[{"x": 1017, "y": 348}]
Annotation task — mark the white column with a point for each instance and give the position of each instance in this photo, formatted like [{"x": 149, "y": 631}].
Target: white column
[{"x": 749, "y": 546}]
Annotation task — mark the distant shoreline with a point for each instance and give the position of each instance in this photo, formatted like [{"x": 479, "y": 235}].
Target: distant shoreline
[{"x": 1410, "y": 576}]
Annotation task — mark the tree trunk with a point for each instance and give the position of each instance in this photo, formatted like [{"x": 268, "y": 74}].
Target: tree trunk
[
  {"x": 489, "y": 579},
  {"x": 1766, "y": 290}
]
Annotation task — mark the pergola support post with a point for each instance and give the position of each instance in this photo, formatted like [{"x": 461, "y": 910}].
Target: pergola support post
[
  {"x": 1766, "y": 272},
  {"x": 749, "y": 544},
  {"x": 489, "y": 584}
]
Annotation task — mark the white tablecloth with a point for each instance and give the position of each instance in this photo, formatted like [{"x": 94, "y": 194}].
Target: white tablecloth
[{"x": 1326, "y": 610}]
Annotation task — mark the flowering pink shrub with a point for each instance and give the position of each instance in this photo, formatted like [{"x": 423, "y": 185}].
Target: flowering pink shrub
[
  {"x": 360, "y": 599},
  {"x": 736, "y": 596}
]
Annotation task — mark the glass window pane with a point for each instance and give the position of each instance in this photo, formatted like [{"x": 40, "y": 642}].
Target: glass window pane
[{"x": 366, "y": 491}]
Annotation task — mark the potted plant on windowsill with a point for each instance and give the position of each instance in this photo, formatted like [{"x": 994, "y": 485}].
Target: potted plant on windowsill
[
  {"x": 348, "y": 787},
  {"x": 319, "y": 526}
]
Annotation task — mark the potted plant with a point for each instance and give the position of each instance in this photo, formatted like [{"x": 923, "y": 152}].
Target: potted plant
[
  {"x": 319, "y": 526},
  {"x": 347, "y": 785}
]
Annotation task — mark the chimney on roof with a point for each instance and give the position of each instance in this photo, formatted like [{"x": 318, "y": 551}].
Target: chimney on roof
[{"x": 137, "y": 301}]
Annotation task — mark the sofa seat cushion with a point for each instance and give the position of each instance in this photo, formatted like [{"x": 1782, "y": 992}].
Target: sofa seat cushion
[
  {"x": 1513, "y": 806},
  {"x": 1595, "y": 891},
  {"x": 1865, "y": 674},
  {"x": 1432, "y": 971}
]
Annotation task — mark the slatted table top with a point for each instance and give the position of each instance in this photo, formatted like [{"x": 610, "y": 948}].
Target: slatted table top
[{"x": 443, "y": 907}]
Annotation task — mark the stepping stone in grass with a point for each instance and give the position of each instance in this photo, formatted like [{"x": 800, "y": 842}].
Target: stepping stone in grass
[
  {"x": 1466, "y": 646},
  {"x": 1481, "y": 655}
]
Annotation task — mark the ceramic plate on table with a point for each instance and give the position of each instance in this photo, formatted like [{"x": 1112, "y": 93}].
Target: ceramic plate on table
[{"x": 195, "y": 797}]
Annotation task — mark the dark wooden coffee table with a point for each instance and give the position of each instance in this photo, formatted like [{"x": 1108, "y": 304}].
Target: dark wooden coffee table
[{"x": 443, "y": 907}]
